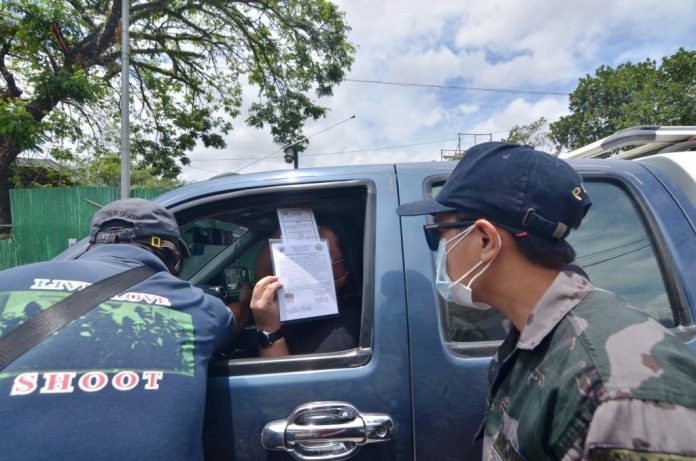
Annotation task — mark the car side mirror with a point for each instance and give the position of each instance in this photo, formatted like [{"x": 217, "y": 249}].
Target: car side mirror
[{"x": 236, "y": 278}]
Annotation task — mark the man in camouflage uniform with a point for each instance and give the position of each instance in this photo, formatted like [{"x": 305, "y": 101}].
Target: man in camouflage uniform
[{"x": 581, "y": 374}]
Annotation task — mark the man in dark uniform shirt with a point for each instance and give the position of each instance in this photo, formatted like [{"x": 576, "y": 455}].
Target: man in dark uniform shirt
[{"x": 127, "y": 380}]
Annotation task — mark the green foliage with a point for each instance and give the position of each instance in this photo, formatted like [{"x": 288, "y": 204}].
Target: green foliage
[
  {"x": 60, "y": 69},
  {"x": 74, "y": 86},
  {"x": 38, "y": 176},
  {"x": 534, "y": 134},
  {"x": 18, "y": 126},
  {"x": 104, "y": 169},
  {"x": 630, "y": 95}
]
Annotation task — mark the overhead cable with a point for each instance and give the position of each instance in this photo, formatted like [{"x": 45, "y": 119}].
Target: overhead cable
[{"x": 457, "y": 88}]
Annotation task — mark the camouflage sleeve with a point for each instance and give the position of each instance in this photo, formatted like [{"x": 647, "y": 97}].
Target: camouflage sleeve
[{"x": 632, "y": 429}]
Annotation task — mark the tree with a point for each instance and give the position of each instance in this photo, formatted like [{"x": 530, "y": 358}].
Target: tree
[
  {"x": 60, "y": 63},
  {"x": 106, "y": 171},
  {"x": 534, "y": 134},
  {"x": 630, "y": 95},
  {"x": 35, "y": 173}
]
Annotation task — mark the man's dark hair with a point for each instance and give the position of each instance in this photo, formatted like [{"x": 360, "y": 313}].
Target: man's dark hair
[{"x": 547, "y": 252}]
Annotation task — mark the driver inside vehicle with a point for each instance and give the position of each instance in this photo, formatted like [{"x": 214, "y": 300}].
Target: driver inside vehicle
[{"x": 329, "y": 334}]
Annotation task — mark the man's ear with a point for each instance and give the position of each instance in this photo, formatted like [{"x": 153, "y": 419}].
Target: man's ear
[{"x": 490, "y": 239}]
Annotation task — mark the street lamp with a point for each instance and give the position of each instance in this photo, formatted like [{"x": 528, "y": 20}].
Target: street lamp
[{"x": 292, "y": 155}]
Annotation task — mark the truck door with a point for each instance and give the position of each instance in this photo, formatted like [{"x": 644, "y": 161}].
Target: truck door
[
  {"x": 352, "y": 403},
  {"x": 636, "y": 241},
  {"x": 448, "y": 382}
]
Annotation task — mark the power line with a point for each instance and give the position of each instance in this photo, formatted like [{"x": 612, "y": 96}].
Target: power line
[
  {"x": 222, "y": 158},
  {"x": 339, "y": 152},
  {"x": 282, "y": 149},
  {"x": 202, "y": 169},
  {"x": 458, "y": 88},
  {"x": 378, "y": 148}
]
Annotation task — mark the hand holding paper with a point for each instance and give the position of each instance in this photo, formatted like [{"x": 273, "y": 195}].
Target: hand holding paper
[{"x": 264, "y": 304}]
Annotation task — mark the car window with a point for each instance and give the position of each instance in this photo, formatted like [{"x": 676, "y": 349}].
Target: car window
[
  {"x": 206, "y": 238},
  {"x": 229, "y": 239},
  {"x": 613, "y": 245},
  {"x": 615, "y": 249}
]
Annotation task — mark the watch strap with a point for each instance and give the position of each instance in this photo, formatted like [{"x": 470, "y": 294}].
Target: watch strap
[{"x": 266, "y": 339}]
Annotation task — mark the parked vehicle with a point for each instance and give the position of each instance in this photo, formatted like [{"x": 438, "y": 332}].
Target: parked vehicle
[{"x": 417, "y": 382}]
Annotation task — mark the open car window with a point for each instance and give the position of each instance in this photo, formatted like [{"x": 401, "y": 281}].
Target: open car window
[
  {"x": 206, "y": 238},
  {"x": 227, "y": 237}
]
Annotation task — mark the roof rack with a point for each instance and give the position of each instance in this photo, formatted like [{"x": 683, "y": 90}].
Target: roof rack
[{"x": 649, "y": 139}]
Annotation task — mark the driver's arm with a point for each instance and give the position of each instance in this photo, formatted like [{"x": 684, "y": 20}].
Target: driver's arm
[{"x": 240, "y": 309}]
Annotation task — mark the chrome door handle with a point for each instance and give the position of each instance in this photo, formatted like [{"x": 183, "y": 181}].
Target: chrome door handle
[{"x": 326, "y": 431}]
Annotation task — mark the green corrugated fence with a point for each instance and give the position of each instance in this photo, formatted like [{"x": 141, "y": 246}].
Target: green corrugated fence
[
  {"x": 44, "y": 220},
  {"x": 8, "y": 252}
]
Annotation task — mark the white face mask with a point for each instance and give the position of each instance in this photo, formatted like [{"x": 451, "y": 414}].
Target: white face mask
[{"x": 453, "y": 291}]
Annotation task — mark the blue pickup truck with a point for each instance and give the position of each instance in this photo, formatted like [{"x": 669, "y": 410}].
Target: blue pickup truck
[{"x": 415, "y": 386}]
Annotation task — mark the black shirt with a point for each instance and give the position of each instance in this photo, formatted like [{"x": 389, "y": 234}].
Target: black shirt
[{"x": 330, "y": 334}]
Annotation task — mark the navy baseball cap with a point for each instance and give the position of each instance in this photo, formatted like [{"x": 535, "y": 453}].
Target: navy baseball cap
[
  {"x": 514, "y": 186},
  {"x": 142, "y": 219}
]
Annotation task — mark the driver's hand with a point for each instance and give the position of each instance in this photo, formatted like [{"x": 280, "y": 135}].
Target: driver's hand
[{"x": 264, "y": 303}]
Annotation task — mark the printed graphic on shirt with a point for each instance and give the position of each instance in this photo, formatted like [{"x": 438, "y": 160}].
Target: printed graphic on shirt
[
  {"x": 117, "y": 336},
  {"x": 67, "y": 382},
  {"x": 76, "y": 285}
]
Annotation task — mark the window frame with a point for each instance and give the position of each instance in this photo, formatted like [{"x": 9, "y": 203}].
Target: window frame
[
  {"x": 684, "y": 323},
  {"x": 352, "y": 358}
]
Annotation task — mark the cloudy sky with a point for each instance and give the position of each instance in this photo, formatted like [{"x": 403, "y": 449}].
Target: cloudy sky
[{"x": 539, "y": 46}]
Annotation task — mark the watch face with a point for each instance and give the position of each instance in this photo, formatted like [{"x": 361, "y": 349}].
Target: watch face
[{"x": 263, "y": 338}]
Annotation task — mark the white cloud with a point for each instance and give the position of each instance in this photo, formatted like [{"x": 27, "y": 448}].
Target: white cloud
[
  {"x": 466, "y": 109},
  {"x": 522, "y": 112},
  {"x": 531, "y": 44}
]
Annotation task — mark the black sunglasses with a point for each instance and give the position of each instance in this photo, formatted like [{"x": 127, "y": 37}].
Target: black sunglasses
[{"x": 432, "y": 234}]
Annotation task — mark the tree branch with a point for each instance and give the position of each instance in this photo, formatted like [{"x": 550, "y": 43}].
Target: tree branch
[
  {"x": 157, "y": 5},
  {"x": 110, "y": 25},
  {"x": 80, "y": 9},
  {"x": 157, "y": 51},
  {"x": 167, "y": 73},
  {"x": 39, "y": 108},
  {"x": 51, "y": 60},
  {"x": 12, "y": 88}
]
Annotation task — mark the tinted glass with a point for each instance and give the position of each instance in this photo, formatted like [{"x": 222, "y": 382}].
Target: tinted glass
[
  {"x": 206, "y": 238},
  {"x": 615, "y": 249}
]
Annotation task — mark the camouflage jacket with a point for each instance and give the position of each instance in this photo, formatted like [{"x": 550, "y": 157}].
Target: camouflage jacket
[{"x": 590, "y": 377}]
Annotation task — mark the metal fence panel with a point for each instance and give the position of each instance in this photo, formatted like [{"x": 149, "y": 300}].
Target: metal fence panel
[
  {"x": 8, "y": 253},
  {"x": 45, "y": 220}
]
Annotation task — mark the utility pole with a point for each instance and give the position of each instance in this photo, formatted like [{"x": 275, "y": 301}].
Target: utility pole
[
  {"x": 125, "y": 144},
  {"x": 475, "y": 135}
]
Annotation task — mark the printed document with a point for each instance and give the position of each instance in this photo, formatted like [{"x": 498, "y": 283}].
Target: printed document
[
  {"x": 304, "y": 269},
  {"x": 297, "y": 224}
]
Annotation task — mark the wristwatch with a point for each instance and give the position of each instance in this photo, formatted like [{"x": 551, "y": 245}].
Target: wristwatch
[{"x": 266, "y": 339}]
